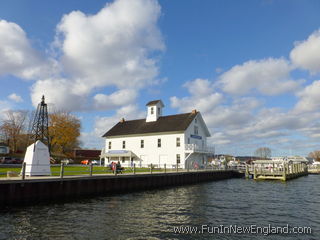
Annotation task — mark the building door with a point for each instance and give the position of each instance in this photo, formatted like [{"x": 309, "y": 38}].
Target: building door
[{"x": 163, "y": 159}]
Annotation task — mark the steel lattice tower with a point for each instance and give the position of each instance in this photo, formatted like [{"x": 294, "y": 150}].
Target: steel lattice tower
[{"x": 40, "y": 130}]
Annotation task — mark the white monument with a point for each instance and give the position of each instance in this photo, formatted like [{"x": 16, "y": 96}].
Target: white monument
[{"x": 37, "y": 160}]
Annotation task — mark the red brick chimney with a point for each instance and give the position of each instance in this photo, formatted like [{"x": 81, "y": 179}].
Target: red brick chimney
[
  {"x": 194, "y": 111},
  {"x": 122, "y": 120}
]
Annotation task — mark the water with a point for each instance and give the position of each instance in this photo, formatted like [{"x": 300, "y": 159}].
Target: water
[{"x": 154, "y": 214}]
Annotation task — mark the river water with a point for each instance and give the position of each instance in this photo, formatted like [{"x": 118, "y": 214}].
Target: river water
[{"x": 157, "y": 214}]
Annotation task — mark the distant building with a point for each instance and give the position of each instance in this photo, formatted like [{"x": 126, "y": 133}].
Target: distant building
[
  {"x": 294, "y": 159},
  {"x": 4, "y": 148},
  {"x": 249, "y": 159},
  {"x": 175, "y": 140},
  {"x": 91, "y": 154}
]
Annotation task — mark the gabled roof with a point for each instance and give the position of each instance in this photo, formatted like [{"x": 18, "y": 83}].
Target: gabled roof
[
  {"x": 172, "y": 123},
  {"x": 152, "y": 103}
]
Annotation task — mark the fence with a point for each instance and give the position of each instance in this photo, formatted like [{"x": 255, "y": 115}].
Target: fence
[{"x": 68, "y": 170}]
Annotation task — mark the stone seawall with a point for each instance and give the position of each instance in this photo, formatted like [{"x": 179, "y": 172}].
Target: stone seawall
[{"x": 32, "y": 191}]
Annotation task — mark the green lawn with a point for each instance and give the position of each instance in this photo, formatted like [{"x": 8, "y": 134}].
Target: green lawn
[{"x": 70, "y": 170}]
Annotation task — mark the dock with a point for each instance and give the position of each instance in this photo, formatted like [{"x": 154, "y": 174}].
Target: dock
[
  {"x": 275, "y": 170},
  {"x": 34, "y": 190}
]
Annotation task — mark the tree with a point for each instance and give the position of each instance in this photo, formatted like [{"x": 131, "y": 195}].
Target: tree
[
  {"x": 263, "y": 152},
  {"x": 315, "y": 155},
  {"x": 12, "y": 127},
  {"x": 64, "y": 130}
]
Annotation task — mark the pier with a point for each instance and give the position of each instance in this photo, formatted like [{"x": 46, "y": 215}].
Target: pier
[
  {"x": 275, "y": 170},
  {"x": 33, "y": 190}
]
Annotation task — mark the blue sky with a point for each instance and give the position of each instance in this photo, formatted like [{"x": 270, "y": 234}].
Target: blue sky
[{"x": 251, "y": 67}]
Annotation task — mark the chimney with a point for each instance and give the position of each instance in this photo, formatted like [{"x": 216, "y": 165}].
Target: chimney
[
  {"x": 194, "y": 111},
  {"x": 122, "y": 120}
]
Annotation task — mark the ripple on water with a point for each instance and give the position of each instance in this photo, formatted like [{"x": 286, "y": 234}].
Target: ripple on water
[{"x": 154, "y": 214}]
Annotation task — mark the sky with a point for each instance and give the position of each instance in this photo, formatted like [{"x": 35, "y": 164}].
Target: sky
[{"x": 252, "y": 68}]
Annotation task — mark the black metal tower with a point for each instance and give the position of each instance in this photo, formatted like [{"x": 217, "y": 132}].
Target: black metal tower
[{"x": 40, "y": 130}]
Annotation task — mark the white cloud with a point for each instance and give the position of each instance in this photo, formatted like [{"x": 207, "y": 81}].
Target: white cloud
[
  {"x": 118, "y": 98},
  {"x": 59, "y": 92},
  {"x": 104, "y": 124},
  {"x": 114, "y": 48},
  {"x": 306, "y": 54},
  {"x": 17, "y": 55},
  {"x": 129, "y": 112},
  {"x": 16, "y": 98},
  {"x": 203, "y": 98},
  {"x": 268, "y": 76},
  {"x": 309, "y": 98}
]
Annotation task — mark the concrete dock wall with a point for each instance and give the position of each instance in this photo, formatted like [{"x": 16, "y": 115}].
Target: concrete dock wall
[{"x": 32, "y": 191}]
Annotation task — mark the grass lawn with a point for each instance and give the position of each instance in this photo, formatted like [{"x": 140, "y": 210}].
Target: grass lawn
[{"x": 70, "y": 170}]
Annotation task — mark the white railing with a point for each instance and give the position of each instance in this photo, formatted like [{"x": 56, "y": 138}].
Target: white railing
[{"x": 200, "y": 149}]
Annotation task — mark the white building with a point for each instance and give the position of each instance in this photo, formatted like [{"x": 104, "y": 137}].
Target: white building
[
  {"x": 176, "y": 139},
  {"x": 294, "y": 159}
]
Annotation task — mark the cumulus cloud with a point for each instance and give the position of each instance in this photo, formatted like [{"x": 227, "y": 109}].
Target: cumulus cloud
[
  {"x": 309, "y": 98},
  {"x": 17, "y": 55},
  {"x": 114, "y": 48},
  {"x": 60, "y": 92},
  {"x": 306, "y": 54},
  {"x": 129, "y": 112},
  {"x": 16, "y": 98},
  {"x": 118, "y": 98},
  {"x": 202, "y": 97},
  {"x": 268, "y": 76},
  {"x": 104, "y": 124}
]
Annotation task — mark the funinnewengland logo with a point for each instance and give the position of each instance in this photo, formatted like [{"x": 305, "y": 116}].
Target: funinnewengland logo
[{"x": 236, "y": 229}]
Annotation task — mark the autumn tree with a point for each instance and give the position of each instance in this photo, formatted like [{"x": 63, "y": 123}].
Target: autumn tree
[
  {"x": 315, "y": 155},
  {"x": 13, "y": 128},
  {"x": 263, "y": 152},
  {"x": 64, "y": 131}
]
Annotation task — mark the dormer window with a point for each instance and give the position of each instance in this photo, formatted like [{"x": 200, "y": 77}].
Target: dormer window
[{"x": 152, "y": 110}]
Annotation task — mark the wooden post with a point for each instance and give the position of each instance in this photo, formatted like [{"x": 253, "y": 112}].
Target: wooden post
[
  {"x": 134, "y": 168},
  {"x": 23, "y": 176},
  {"x": 151, "y": 168},
  {"x": 115, "y": 169},
  {"x": 61, "y": 170},
  {"x": 284, "y": 172},
  {"x": 165, "y": 168},
  {"x": 254, "y": 172},
  {"x": 177, "y": 167},
  {"x": 91, "y": 169},
  {"x": 247, "y": 174},
  {"x": 187, "y": 167}
]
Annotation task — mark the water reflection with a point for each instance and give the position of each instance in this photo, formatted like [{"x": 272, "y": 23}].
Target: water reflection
[{"x": 153, "y": 214}]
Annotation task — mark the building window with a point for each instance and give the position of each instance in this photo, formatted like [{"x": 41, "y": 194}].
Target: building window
[
  {"x": 151, "y": 110},
  {"x": 178, "y": 158},
  {"x": 195, "y": 120},
  {"x": 110, "y": 145},
  {"x": 196, "y": 130},
  {"x": 178, "y": 142},
  {"x": 123, "y": 144},
  {"x": 188, "y": 140},
  {"x": 159, "y": 142},
  {"x": 158, "y": 111},
  {"x": 142, "y": 143}
]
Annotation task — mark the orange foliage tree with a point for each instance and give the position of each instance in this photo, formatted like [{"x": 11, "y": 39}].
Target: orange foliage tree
[{"x": 64, "y": 131}]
